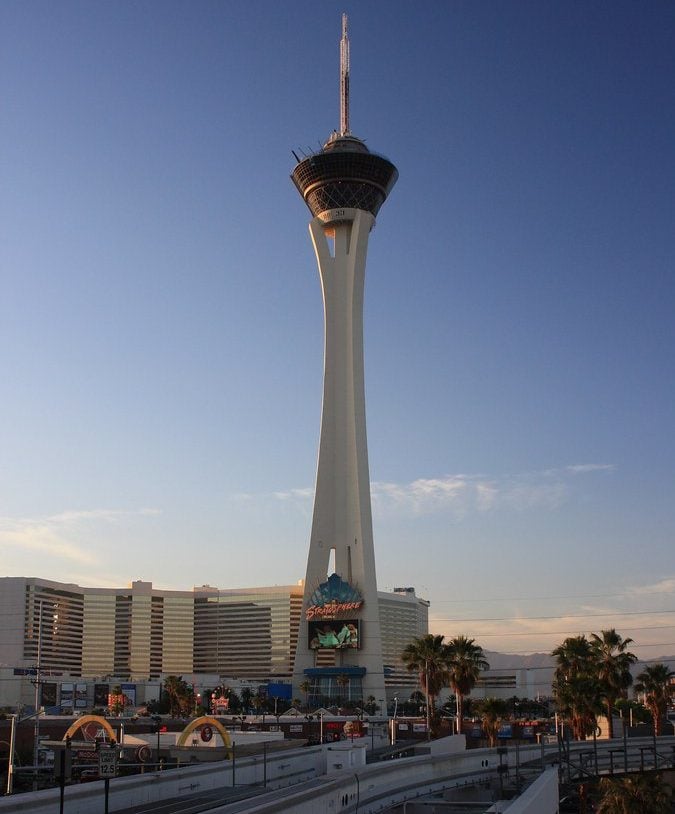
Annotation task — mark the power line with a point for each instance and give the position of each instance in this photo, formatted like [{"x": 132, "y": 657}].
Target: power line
[
  {"x": 571, "y": 632},
  {"x": 527, "y": 598},
  {"x": 555, "y": 616}
]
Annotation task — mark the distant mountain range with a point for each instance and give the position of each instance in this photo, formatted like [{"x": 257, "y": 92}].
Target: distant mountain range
[{"x": 505, "y": 661}]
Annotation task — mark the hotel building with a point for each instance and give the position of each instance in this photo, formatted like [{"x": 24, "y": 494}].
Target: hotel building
[{"x": 141, "y": 633}]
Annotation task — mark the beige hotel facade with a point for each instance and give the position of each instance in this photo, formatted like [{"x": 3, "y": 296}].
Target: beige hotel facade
[{"x": 141, "y": 633}]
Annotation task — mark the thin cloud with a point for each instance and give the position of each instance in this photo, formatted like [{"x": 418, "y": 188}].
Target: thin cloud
[
  {"x": 460, "y": 494},
  {"x": 463, "y": 494},
  {"x": 664, "y": 586},
  {"x": 57, "y": 535},
  {"x": 35, "y": 536},
  {"x": 295, "y": 494},
  {"x": 107, "y": 515},
  {"x": 582, "y": 469}
]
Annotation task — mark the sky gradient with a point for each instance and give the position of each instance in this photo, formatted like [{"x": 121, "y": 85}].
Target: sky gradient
[{"x": 162, "y": 326}]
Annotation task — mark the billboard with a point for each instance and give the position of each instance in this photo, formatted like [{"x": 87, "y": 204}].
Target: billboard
[
  {"x": 67, "y": 691},
  {"x": 219, "y": 704},
  {"x": 333, "y": 599},
  {"x": 280, "y": 690},
  {"x": 80, "y": 695},
  {"x": 129, "y": 690},
  {"x": 334, "y": 635}
]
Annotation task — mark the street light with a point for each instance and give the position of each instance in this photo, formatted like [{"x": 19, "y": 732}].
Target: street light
[
  {"x": 36, "y": 734},
  {"x": 426, "y": 687},
  {"x": 393, "y": 721},
  {"x": 12, "y": 746},
  {"x": 158, "y": 723}
]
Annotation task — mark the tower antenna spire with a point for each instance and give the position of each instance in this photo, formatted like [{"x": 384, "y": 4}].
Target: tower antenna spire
[{"x": 344, "y": 79}]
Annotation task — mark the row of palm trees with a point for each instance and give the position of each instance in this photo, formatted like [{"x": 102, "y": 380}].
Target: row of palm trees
[
  {"x": 593, "y": 674},
  {"x": 456, "y": 663}
]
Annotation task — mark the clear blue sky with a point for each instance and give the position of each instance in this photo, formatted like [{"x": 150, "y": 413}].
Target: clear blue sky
[{"x": 161, "y": 320}]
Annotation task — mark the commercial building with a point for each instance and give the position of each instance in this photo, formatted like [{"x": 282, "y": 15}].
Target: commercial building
[{"x": 139, "y": 633}]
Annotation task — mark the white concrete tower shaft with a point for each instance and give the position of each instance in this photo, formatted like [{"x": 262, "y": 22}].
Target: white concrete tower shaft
[{"x": 342, "y": 523}]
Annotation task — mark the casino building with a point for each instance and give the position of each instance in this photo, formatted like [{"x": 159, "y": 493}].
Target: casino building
[{"x": 141, "y": 633}]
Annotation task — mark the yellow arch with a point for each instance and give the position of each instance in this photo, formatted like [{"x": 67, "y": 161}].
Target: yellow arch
[
  {"x": 87, "y": 719},
  {"x": 206, "y": 720}
]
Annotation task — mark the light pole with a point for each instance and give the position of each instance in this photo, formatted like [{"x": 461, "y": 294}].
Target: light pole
[
  {"x": 426, "y": 687},
  {"x": 10, "y": 766},
  {"x": 158, "y": 723},
  {"x": 393, "y": 721},
  {"x": 36, "y": 735}
]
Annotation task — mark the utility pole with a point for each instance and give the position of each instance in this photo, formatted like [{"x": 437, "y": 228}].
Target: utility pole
[{"x": 38, "y": 684}]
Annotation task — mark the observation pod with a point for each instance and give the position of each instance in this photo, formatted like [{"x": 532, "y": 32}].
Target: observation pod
[{"x": 344, "y": 175}]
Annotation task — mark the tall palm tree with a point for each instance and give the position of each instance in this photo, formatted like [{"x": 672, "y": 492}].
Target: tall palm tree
[
  {"x": 465, "y": 662},
  {"x": 427, "y": 656},
  {"x": 491, "y": 711},
  {"x": 178, "y": 693},
  {"x": 343, "y": 681},
  {"x": 304, "y": 687},
  {"x": 655, "y": 682},
  {"x": 576, "y": 687},
  {"x": 646, "y": 794},
  {"x": 613, "y": 662}
]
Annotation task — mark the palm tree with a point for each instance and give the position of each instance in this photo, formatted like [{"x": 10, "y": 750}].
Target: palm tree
[
  {"x": 613, "y": 662},
  {"x": 655, "y": 682},
  {"x": 342, "y": 681},
  {"x": 304, "y": 687},
  {"x": 491, "y": 711},
  {"x": 427, "y": 656},
  {"x": 576, "y": 687},
  {"x": 465, "y": 661},
  {"x": 645, "y": 793},
  {"x": 171, "y": 688}
]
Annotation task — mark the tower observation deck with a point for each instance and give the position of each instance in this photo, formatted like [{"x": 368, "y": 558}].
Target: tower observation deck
[
  {"x": 339, "y": 650},
  {"x": 344, "y": 175}
]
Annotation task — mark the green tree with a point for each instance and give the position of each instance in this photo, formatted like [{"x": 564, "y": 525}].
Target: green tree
[
  {"x": 304, "y": 687},
  {"x": 234, "y": 700},
  {"x": 633, "y": 710},
  {"x": 428, "y": 657},
  {"x": 613, "y": 663},
  {"x": 641, "y": 793},
  {"x": 492, "y": 711},
  {"x": 576, "y": 687},
  {"x": 343, "y": 681},
  {"x": 655, "y": 682},
  {"x": 246, "y": 699},
  {"x": 180, "y": 695},
  {"x": 465, "y": 660}
]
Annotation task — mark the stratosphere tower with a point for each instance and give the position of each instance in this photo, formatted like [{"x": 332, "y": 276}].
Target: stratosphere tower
[{"x": 339, "y": 650}]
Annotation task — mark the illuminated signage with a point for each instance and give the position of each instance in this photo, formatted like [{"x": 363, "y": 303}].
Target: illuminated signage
[
  {"x": 333, "y": 599},
  {"x": 333, "y": 635}
]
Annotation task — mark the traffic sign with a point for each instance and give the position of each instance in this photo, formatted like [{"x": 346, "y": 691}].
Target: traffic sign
[{"x": 107, "y": 763}]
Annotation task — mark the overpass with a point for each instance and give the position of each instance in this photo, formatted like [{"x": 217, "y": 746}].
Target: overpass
[{"x": 335, "y": 779}]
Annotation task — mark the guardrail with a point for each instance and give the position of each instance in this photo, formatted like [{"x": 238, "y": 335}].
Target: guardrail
[{"x": 293, "y": 775}]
